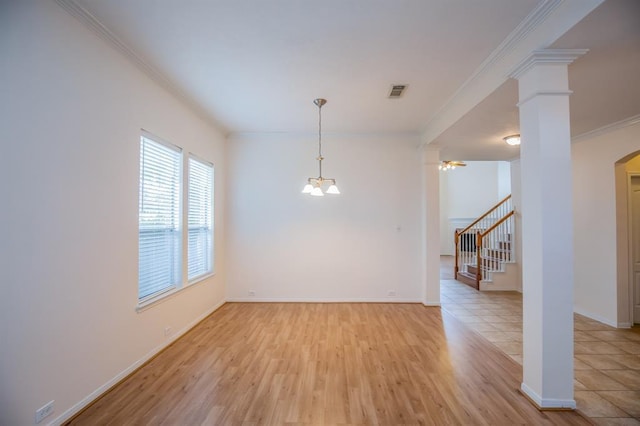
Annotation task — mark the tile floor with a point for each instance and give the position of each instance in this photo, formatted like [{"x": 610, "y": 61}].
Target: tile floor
[{"x": 606, "y": 359}]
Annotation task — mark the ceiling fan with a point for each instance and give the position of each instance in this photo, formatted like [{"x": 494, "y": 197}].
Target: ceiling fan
[{"x": 450, "y": 165}]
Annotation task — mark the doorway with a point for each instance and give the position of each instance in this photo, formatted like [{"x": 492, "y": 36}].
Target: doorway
[{"x": 634, "y": 244}]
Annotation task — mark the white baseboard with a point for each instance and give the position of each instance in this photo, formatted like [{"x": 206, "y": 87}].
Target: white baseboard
[
  {"x": 319, "y": 300},
  {"x": 624, "y": 325},
  {"x": 431, "y": 304},
  {"x": 595, "y": 317},
  {"x": 105, "y": 387},
  {"x": 547, "y": 403}
]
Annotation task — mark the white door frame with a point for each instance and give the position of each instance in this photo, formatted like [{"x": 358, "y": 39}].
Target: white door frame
[{"x": 631, "y": 254}]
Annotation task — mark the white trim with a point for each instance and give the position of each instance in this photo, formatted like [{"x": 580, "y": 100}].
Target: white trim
[
  {"x": 595, "y": 317},
  {"x": 202, "y": 277},
  {"x": 186, "y": 211},
  {"x": 92, "y": 23},
  {"x": 547, "y": 402},
  {"x": 530, "y": 22},
  {"x": 157, "y": 139},
  {"x": 624, "y": 325},
  {"x": 545, "y": 24},
  {"x": 148, "y": 138},
  {"x": 166, "y": 295},
  {"x": 546, "y": 57},
  {"x": 84, "y": 16},
  {"x": 301, "y": 134},
  {"x": 631, "y": 279},
  {"x": 510, "y": 43},
  {"x": 607, "y": 128},
  {"x": 544, "y": 93},
  {"x": 432, "y": 304},
  {"x": 200, "y": 159},
  {"x": 320, "y": 300},
  {"x": 76, "y": 408}
]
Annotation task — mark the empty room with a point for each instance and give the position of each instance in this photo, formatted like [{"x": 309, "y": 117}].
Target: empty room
[{"x": 363, "y": 212}]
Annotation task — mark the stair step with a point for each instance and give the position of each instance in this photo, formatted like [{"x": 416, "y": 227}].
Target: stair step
[
  {"x": 468, "y": 279},
  {"x": 497, "y": 254},
  {"x": 487, "y": 263},
  {"x": 472, "y": 270}
]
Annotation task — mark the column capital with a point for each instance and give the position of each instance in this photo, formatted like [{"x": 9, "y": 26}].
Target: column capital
[{"x": 546, "y": 57}]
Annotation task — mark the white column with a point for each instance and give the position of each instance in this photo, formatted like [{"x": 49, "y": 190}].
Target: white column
[
  {"x": 547, "y": 227},
  {"x": 431, "y": 237}
]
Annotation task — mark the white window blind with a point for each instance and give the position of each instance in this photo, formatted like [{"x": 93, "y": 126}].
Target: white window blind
[
  {"x": 159, "y": 235},
  {"x": 200, "y": 241}
]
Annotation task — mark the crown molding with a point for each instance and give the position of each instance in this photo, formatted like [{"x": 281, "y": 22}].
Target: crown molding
[
  {"x": 544, "y": 24},
  {"x": 532, "y": 21},
  {"x": 631, "y": 121},
  {"x": 84, "y": 16},
  {"x": 333, "y": 135},
  {"x": 92, "y": 23},
  {"x": 546, "y": 57}
]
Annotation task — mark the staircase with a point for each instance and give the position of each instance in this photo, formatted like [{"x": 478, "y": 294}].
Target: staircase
[{"x": 485, "y": 248}]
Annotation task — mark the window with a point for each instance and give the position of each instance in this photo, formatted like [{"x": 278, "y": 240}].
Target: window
[
  {"x": 200, "y": 238},
  {"x": 161, "y": 228},
  {"x": 159, "y": 233}
]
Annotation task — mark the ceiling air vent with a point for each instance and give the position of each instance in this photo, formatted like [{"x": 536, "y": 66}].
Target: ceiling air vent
[{"x": 397, "y": 90}]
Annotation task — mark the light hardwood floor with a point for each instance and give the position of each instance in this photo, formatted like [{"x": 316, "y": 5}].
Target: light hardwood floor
[
  {"x": 606, "y": 359},
  {"x": 317, "y": 364}
]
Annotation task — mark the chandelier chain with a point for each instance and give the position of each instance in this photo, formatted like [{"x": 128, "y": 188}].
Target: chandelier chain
[{"x": 320, "y": 140}]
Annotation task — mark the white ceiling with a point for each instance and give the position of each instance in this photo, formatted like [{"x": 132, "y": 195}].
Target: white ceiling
[{"x": 256, "y": 66}]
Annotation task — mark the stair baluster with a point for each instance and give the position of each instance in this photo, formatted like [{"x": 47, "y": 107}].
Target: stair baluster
[{"x": 485, "y": 245}]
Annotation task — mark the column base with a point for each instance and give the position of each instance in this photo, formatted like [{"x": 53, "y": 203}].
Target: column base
[{"x": 547, "y": 404}]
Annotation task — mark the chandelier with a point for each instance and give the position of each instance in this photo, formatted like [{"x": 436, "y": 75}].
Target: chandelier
[{"x": 314, "y": 185}]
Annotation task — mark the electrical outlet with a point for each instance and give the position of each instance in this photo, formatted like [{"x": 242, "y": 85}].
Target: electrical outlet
[
  {"x": 44, "y": 411},
  {"x": 391, "y": 293},
  {"x": 167, "y": 331},
  {"x": 251, "y": 293}
]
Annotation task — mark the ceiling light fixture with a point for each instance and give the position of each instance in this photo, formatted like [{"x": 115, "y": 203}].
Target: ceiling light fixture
[
  {"x": 450, "y": 165},
  {"x": 512, "y": 140},
  {"x": 314, "y": 185}
]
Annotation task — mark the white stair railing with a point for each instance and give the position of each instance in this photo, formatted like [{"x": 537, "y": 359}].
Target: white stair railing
[
  {"x": 495, "y": 247},
  {"x": 484, "y": 246}
]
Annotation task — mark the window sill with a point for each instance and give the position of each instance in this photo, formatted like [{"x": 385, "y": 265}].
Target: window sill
[
  {"x": 147, "y": 304},
  {"x": 200, "y": 278}
]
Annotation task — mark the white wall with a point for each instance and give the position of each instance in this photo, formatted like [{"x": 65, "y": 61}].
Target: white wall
[
  {"x": 71, "y": 110},
  {"x": 504, "y": 179},
  {"x": 468, "y": 192},
  {"x": 516, "y": 199},
  {"x": 285, "y": 245},
  {"x": 446, "y": 240},
  {"x": 594, "y": 204}
]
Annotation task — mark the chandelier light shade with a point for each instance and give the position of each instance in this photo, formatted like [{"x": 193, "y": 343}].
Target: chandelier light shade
[
  {"x": 450, "y": 165},
  {"x": 512, "y": 140},
  {"x": 315, "y": 184}
]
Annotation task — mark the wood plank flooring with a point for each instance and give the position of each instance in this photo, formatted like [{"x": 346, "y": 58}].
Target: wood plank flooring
[{"x": 320, "y": 364}]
